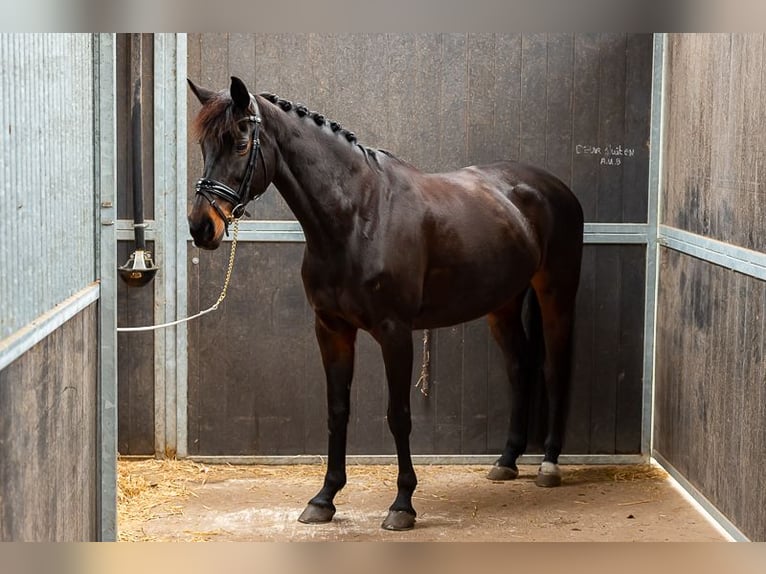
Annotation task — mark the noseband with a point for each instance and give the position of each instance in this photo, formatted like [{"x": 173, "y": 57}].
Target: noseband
[{"x": 208, "y": 188}]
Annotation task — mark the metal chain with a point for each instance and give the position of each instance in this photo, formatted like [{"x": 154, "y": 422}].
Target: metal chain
[
  {"x": 213, "y": 307},
  {"x": 235, "y": 232}
]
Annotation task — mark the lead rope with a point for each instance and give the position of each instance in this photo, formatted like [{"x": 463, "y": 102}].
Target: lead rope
[
  {"x": 214, "y": 306},
  {"x": 425, "y": 370}
]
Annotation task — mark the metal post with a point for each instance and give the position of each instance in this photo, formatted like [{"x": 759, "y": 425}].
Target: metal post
[
  {"x": 105, "y": 189},
  {"x": 170, "y": 242},
  {"x": 655, "y": 188}
]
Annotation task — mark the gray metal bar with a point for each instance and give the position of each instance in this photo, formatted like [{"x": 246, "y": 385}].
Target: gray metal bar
[
  {"x": 615, "y": 233},
  {"x": 650, "y": 295},
  {"x": 124, "y": 229},
  {"x": 616, "y": 228},
  {"x": 614, "y": 238},
  {"x": 745, "y": 261},
  {"x": 170, "y": 246},
  {"x": 105, "y": 176},
  {"x": 269, "y": 231},
  {"x": 483, "y": 459},
  {"x": 12, "y": 347},
  {"x": 182, "y": 230},
  {"x": 290, "y": 231},
  {"x": 713, "y": 513},
  {"x": 164, "y": 283}
]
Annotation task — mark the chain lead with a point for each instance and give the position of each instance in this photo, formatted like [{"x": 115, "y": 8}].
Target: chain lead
[
  {"x": 214, "y": 306},
  {"x": 235, "y": 233}
]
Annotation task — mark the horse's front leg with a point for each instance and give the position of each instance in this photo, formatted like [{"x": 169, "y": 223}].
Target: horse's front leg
[
  {"x": 395, "y": 340},
  {"x": 336, "y": 344}
]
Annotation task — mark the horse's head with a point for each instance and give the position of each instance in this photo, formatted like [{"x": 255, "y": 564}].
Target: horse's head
[{"x": 228, "y": 129}]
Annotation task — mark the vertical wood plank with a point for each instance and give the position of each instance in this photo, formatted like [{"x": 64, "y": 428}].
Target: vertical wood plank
[
  {"x": 578, "y": 433},
  {"x": 638, "y": 93},
  {"x": 241, "y": 52},
  {"x": 611, "y": 125},
  {"x": 507, "y": 100},
  {"x": 628, "y": 409},
  {"x": 473, "y": 416},
  {"x": 559, "y": 90},
  {"x": 534, "y": 62},
  {"x": 608, "y": 279},
  {"x": 585, "y": 127},
  {"x": 454, "y": 97},
  {"x": 447, "y": 388},
  {"x": 481, "y": 109}
]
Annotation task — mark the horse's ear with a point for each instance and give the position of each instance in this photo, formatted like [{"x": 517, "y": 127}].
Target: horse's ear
[
  {"x": 203, "y": 95},
  {"x": 239, "y": 93}
]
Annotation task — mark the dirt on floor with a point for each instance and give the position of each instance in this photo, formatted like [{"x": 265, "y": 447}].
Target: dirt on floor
[{"x": 187, "y": 501}]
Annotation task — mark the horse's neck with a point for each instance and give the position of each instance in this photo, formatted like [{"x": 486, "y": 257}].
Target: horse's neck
[{"x": 318, "y": 175}]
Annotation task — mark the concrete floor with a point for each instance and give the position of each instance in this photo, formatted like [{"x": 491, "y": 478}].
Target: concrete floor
[{"x": 454, "y": 503}]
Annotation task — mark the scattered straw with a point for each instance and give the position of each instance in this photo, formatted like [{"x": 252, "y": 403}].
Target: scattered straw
[
  {"x": 151, "y": 489},
  {"x": 630, "y": 473}
]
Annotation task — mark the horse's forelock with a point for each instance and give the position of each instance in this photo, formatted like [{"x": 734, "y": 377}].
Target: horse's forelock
[{"x": 214, "y": 119}]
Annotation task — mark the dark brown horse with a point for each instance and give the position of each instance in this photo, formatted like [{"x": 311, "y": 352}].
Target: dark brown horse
[{"x": 390, "y": 249}]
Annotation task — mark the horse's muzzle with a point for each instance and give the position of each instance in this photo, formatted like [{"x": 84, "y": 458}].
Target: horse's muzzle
[{"x": 204, "y": 233}]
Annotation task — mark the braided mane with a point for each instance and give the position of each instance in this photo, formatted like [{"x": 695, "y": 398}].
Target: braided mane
[
  {"x": 320, "y": 120},
  {"x": 216, "y": 119}
]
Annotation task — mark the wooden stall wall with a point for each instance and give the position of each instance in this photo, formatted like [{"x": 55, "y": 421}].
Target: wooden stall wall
[
  {"x": 50, "y": 300},
  {"x": 576, "y": 104},
  {"x": 710, "y": 393},
  {"x": 716, "y": 137},
  {"x": 48, "y": 433}
]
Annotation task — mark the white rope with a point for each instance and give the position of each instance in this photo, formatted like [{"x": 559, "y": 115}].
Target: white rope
[
  {"x": 424, "y": 382},
  {"x": 213, "y": 307},
  {"x": 164, "y": 325}
]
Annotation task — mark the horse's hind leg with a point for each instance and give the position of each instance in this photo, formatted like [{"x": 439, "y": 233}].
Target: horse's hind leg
[
  {"x": 557, "y": 303},
  {"x": 508, "y": 330},
  {"x": 336, "y": 344}
]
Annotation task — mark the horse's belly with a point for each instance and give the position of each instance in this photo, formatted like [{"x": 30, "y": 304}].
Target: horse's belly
[{"x": 452, "y": 296}]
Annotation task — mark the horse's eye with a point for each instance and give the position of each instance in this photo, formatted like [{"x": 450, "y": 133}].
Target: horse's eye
[{"x": 242, "y": 146}]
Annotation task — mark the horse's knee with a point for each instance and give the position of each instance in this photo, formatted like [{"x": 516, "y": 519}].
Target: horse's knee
[
  {"x": 338, "y": 417},
  {"x": 399, "y": 420}
]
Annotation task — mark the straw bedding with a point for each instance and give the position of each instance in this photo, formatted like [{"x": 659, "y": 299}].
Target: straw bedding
[{"x": 151, "y": 489}]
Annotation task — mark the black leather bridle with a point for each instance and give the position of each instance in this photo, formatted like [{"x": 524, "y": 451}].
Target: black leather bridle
[{"x": 208, "y": 188}]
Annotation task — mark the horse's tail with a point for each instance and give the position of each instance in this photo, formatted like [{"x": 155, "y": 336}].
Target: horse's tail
[{"x": 532, "y": 319}]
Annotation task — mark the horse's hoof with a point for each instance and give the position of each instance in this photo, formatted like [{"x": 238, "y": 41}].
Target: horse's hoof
[
  {"x": 314, "y": 514},
  {"x": 498, "y": 472},
  {"x": 549, "y": 475},
  {"x": 398, "y": 520}
]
